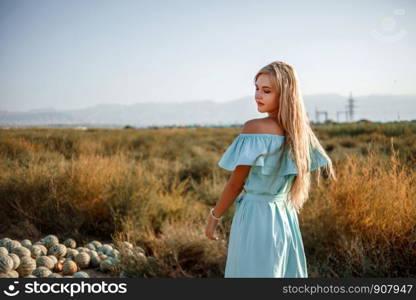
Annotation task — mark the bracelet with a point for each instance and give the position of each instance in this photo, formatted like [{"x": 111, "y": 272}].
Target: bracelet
[{"x": 212, "y": 215}]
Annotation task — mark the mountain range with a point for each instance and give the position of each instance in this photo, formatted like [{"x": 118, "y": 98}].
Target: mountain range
[{"x": 380, "y": 108}]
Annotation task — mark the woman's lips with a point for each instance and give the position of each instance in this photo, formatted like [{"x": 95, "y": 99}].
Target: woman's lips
[{"x": 259, "y": 103}]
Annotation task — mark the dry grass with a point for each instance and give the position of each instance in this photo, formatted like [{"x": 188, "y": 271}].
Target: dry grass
[
  {"x": 364, "y": 225},
  {"x": 154, "y": 187}
]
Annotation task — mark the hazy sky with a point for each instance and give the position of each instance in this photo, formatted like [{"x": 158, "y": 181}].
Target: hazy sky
[{"x": 74, "y": 54}]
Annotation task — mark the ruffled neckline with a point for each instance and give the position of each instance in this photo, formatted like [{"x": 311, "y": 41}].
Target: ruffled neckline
[{"x": 254, "y": 148}]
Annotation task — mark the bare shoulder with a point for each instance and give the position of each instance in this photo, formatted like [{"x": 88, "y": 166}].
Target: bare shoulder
[{"x": 262, "y": 125}]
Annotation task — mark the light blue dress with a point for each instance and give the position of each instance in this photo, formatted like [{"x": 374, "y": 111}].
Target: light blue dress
[{"x": 265, "y": 238}]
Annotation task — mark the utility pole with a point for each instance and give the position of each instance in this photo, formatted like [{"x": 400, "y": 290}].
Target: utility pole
[
  {"x": 350, "y": 108},
  {"x": 318, "y": 113}
]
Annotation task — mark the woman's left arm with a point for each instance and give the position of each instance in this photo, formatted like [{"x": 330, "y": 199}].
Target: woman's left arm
[{"x": 231, "y": 190}]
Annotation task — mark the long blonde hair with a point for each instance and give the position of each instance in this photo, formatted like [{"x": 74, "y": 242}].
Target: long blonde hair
[{"x": 299, "y": 137}]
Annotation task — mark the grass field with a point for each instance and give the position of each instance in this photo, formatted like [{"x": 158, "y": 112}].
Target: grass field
[{"x": 154, "y": 188}]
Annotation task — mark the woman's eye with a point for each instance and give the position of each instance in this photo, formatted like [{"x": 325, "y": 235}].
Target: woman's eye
[{"x": 267, "y": 92}]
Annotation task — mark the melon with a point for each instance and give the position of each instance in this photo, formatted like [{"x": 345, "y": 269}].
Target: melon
[
  {"x": 13, "y": 274},
  {"x": 127, "y": 245},
  {"x": 3, "y": 241},
  {"x": 12, "y": 244},
  {"x": 43, "y": 249},
  {"x": 16, "y": 260},
  {"x": 81, "y": 249},
  {"x": 59, "y": 266},
  {"x": 71, "y": 253},
  {"x": 21, "y": 251},
  {"x": 50, "y": 240},
  {"x": 10, "y": 274},
  {"x": 102, "y": 256},
  {"x": 26, "y": 267},
  {"x": 70, "y": 267},
  {"x": 70, "y": 243},
  {"x": 3, "y": 250},
  {"x": 108, "y": 264},
  {"x": 6, "y": 263},
  {"x": 90, "y": 246},
  {"x": 26, "y": 243},
  {"x": 97, "y": 244},
  {"x": 45, "y": 261},
  {"x": 54, "y": 259},
  {"x": 95, "y": 261},
  {"x": 92, "y": 252},
  {"x": 35, "y": 251},
  {"x": 106, "y": 249},
  {"x": 41, "y": 272},
  {"x": 83, "y": 260},
  {"x": 81, "y": 274},
  {"x": 58, "y": 250},
  {"x": 116, "y": 253}
]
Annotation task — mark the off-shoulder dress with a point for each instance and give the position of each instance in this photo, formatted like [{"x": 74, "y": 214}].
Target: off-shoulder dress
[{"x": 265, "y": 239}]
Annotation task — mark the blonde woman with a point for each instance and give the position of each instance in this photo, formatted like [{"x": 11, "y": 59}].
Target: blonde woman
[{"x": 271, "y": 162}]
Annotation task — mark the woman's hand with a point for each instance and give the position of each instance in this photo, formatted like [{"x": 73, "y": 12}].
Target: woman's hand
[{"x": 210, "y": 228}]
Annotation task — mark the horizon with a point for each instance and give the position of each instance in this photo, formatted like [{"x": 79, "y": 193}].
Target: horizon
[
  {"x": 196, "y": 101},
  {"x": 319, "y": 108}
]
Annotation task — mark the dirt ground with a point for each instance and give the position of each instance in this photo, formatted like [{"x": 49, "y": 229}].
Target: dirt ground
[{"x": 96, "y": 273}]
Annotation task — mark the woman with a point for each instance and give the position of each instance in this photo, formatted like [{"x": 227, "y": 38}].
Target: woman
[{"x": 271, "y": 160}]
